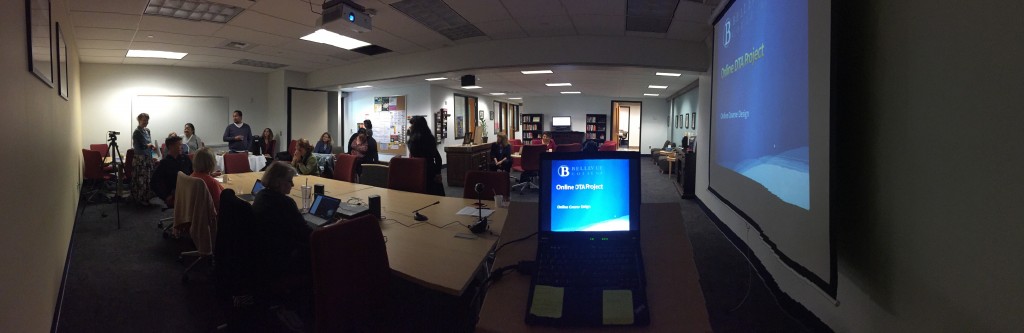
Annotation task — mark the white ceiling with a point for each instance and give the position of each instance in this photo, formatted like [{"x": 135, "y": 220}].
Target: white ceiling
[{"x": 106, "y": 29}]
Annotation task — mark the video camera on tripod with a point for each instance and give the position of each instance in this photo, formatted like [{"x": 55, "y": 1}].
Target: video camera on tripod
[{"x": 112, "y": 136}]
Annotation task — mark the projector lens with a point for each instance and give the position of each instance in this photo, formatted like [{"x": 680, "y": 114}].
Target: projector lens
[{"x": 351, "y": 17}]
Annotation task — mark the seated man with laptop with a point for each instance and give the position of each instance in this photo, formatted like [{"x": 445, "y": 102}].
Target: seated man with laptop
[{"x": 589, "y": 268}]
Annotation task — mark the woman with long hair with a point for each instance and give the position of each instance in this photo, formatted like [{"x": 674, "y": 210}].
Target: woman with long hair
[
  {"x": 501, "y": 154},
  {"x": 421, "y": 143},
  {"x": 142, "y": 164},
  {"x": 323, "y": 146},
  {"x": 303, "y": 159}
]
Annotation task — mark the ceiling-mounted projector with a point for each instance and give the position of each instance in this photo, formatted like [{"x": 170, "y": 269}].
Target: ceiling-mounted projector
[{"x": 342, "y": 16}]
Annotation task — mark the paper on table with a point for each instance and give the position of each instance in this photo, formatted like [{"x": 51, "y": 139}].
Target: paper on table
[
  {"x": 547, "y": 301},
  {"x": 617, "y": 308},
  {"x": 220, "y": 179},
  {"x": 472, "y": 211}
]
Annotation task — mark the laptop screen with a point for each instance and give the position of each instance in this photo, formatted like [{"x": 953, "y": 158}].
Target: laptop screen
[
  {"x": 588, "y": 192},
  {"x": 257, "y": 187},
  {"x": 324, "y": 206}
]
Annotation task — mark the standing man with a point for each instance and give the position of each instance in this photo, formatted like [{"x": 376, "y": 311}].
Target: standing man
[{"x": 238, "y": 135}]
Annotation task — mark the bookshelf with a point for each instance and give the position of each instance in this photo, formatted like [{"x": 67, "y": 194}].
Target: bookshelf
[
  {"x": 532, "y": 126},
  {"x": 597, "y": 125},
  {"x": 441, "y": 125}
]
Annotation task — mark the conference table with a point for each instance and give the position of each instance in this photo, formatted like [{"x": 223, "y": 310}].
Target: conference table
[
  {"x": 673, "y": 285},
  {"x": 427, "y": 253}
]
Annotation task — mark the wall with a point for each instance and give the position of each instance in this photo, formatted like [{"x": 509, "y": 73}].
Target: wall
[
  {"x": 107, "y": 92},
  {"x": 652, "y": 129},
  {"x": 928, "y": 219},
  {"x": 36, "y": 232},
  {"x": 682, "y": 105}
]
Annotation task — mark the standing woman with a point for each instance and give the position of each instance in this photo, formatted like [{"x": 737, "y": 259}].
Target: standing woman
[
  {"x": 422, "y": 144},
  {"x": 324, "y": 145},
  {"x": 142, "y": 164},
  {"x": 192, "y": 142},
  {"x": 501, "y": 154}
]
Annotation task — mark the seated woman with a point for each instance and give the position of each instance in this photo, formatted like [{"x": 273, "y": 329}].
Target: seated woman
[
  {"x": 281, "y": 231},
  {"x": 546, "y": 140},
  {"x": 501, "y": 154},
  {"x": 203, "y": 165},
  {"x": 192, "y": 142},
  {"x": 324, "y": 145},
  {"x": 303, "y": 159}
]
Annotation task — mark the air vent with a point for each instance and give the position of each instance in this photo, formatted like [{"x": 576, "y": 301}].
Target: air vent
[
  {"x": 237, "y": 46},
  {"x": 260, "y": 64},
  {"x": 438, "y": 16},
  {"x": 371, "y": 50},
  {"x": 193, "y": 10},
  {"x": 650, "y": 15}
]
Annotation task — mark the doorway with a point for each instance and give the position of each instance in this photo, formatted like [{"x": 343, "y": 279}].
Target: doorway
[{"x": 626, "y": 117}]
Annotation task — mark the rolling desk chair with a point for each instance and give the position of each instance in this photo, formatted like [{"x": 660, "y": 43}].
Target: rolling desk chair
[
  {"x": 351, "y": 277},
  {"x": 529, "y": 167},
  {"x": 345, "y": 167},
  {"x": 408, "y": 174}
]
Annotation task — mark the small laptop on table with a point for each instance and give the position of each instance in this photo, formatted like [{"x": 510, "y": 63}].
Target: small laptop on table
[
  {"x": 256, "y": 188},
  {"x": 322, "y": 210},
  {"x": 589, "y": 268}
]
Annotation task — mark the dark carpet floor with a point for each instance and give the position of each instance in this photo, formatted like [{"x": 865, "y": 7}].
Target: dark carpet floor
[{"x": 128, "y": 280}]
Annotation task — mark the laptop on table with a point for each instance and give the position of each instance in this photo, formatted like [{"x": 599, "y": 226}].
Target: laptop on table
[
  {"x": 322, "y": 210},
  {"x": 256, "y": 188},
  {"x": 589, "y": 269}
]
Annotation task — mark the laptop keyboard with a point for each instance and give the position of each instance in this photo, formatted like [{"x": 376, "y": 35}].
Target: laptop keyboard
[{"x": 589, "y": 265}]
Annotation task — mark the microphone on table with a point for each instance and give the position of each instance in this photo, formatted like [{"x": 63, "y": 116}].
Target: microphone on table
[
  {"x": 421, "y": 217},
  {"x": 481, "y": 224}
]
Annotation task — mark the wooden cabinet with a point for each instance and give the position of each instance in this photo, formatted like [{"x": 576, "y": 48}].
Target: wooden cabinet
[{"x": 463, "y": 159}]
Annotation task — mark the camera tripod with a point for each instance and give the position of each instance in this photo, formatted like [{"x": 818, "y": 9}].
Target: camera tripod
[{"x": 117, "y": 161}]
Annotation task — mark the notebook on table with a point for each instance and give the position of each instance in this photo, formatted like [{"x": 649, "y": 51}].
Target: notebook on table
[
  {"x": 256, "y": 188},
  {"x": 322, "y": 210},
  {"x": 589, "y": 268}
]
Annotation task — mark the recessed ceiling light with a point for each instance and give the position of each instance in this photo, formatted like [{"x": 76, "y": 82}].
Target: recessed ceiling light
[
  {"x": 333, "y": 39},
  {"x": 657, "y": 87},
  {"x": 155, "y": 54},
  {"x": 652, "y": 95},
  {"x": 570, "y": 92},
  {"x": 515, "y": 98},
  {"x": 472, "y": 87},
  {"x": 361, "y": 87},
  {"x": 667, "y": 74},
  {"x": 437, "y": 78},
  {"x": 546, "y": 71},
  {"x": 498, "y": 94},
  {"x": 566, "y": 84}
]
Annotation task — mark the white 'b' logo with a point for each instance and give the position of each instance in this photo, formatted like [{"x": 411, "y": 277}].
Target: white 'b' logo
[{"x": 563, "y": 171}]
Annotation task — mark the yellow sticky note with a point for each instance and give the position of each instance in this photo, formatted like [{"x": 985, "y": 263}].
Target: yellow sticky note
[
  {"x": 617, "y": 307},
  {"x": 547, "y": 301}
]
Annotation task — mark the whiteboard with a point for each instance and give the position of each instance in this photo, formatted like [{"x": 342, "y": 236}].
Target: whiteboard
[{"x": 209, "y": 115}]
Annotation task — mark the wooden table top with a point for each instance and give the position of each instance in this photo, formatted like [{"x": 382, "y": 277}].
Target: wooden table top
[
  {"x": 425, "y": 254},
  {"x": 673, "y": 285}
]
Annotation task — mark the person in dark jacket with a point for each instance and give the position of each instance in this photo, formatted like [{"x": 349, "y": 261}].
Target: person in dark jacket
[
  {"x": 422, "y": 144},
  {"x": 165, "y": 177},
  {"x": 501, "y": 154}
]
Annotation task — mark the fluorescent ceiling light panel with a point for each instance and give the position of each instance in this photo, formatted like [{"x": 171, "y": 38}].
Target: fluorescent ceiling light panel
[
  {"x": 333, "y": 39},
  {"x": 437, "y": 79},
  {"x": 472, "y": 87},
  {"x": 498, "y": 94},
  {"x": 546, "y": 71},
  {"x": 668, "y": 74},
  {"x": 566, "y": 84},
  {"x": 360, "y": 87},
  {"x": 515, "y": 98},
  {"x": 155, "y": 54},
  {"x": 570, "y": 92},
  {"x": 657, "y": 87},
  {"x": 652, "y": 95}
]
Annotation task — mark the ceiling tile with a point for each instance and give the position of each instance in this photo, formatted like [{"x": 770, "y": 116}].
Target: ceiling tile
[
  {"x": 595, "y": 7},
  {"x": 694, "y": 12},
  {"x": 646, "y": 34},
  {"x": 238, "y": 34},
  {"x": 104, "y": 33},
  {"x": 534, "y": 8},
  {"x": 187, "y": 27},
  {"x": 294, "y": 11},
  {"x": 178, "y": 39},
  {"x": 596, "y": 25},
  {"x": 397, "y": 23},
  {"x": 208, "y": 58},
  {"x": 476, "y": 11},
  {"x": 689, "y": 31},
  {"x": 105, "y": 20},
  {"x": 131, "y": 7},
  {"x": 100, "y": 60},
  {"x": 239, "y": 3},
  {"x": 142, "y": 45},
  {"x": 149, "y": 61},
  {"x": 102, "y": 53},
  {"x": 542, "y": 26},
  {"x": 102, "y": 44},
  {"x": 269, "y": 24},
  {"x": 502, "y": 29}
]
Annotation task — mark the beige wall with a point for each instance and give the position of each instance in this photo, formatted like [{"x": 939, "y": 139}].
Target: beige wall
[{"x": 41, "y": 178}]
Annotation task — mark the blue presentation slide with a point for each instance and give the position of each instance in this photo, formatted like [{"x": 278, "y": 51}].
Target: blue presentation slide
[
  {"x": 590, "y": 195},
  {"x": 761, "y": 96}
]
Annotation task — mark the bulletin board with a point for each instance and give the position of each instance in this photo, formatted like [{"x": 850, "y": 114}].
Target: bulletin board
[{"x": 389, "y": 123}]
